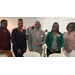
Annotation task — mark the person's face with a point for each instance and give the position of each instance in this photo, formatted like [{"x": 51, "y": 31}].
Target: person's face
[
  {"x": 20, "y": 24},
  {"x": 4, "y": 25},
  {"x": 70, "y": 28},
  {"x": 37, "y": 25},
  {"x": 55, "y": 27}
]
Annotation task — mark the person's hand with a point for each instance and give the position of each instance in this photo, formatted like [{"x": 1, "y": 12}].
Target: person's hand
[
  {"x": 54, "y": 50},
  {"x": 38, "y": 44},
  {"x": 1, "y": 51},
  {"x": 25, "y": 50},
  {"x": 19, "y": 51},
  {"x": 51, "y": 50},
  {"x": 31, "y": 50}
]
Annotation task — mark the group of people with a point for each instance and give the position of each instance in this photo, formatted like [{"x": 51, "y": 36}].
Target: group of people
[
  {"x": 54, "y": 40},
  {"x": 18, "y": 39}
]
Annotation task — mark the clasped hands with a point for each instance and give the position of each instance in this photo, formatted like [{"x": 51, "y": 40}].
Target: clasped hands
[
  {"x": 53, "y": 50},
  {"x": 37, "y": 44},
  {"x": 19, "y": 51}
]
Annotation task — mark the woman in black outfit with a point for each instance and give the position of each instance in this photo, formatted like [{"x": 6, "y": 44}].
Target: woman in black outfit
[{"x": 19, "y": 40}]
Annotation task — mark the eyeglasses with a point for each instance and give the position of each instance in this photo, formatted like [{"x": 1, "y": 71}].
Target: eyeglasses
[{"x": 71, "y": 27}]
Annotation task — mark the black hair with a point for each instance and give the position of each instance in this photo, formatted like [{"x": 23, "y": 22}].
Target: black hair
[
  {"x": 53, "y": 25},
  {"x": 46, "y": 30},
  {"x": 20, "y": 19},
  {"x": 71, "y": 23},
  {"x": 3, "y": 21}
]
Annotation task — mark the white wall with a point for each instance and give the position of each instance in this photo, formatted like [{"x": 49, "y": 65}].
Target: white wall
[
  {"x": 47, "y": 22},
  {"x": 63, "y": 22}
]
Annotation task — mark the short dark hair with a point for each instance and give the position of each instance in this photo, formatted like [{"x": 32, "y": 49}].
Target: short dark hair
[
  {"x": 58, "y": 27},
  {"x": 3, "y": 21},
  {"x": 71, "y": 23},
  {"x": 20, "y": 19}
]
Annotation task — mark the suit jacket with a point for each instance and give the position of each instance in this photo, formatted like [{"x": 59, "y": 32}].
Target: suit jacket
[
  {"x": 3, "y": 39},
  {"x": 32, "y": 40}
]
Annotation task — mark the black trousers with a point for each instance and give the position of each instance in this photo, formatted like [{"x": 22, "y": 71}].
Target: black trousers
[{"x": 49, "y": 52}]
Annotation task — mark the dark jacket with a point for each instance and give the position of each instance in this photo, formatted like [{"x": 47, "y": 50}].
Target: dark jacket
[{"x": 3, "y": 39}]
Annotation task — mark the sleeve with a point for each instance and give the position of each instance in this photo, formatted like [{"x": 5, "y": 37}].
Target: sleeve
[
  {"x": 64, "y": 36},
  {"x": 47, "y": 41},
  {"x": 10, "y": 39},
  {"x": 10, "y": 42},
  {"x": 0, "y": 49},
  {"x": 44, "y": 40},
  {"x": 29, "y": 41},
  {"x": 62, "y": 42},
  {"x": 0, "y": 39},
  {"x": 13, "y": 39},
  {"x": 25, "y": 42}
]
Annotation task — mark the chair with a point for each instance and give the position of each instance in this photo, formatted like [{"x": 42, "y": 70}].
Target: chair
[
  {"x": 44, "y": 47},
  {"x": 31, "y": 54},
  {"x": 57, "y": 55}
]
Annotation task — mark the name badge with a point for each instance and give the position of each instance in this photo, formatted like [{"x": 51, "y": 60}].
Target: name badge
[{"x": 59, "y": 35}]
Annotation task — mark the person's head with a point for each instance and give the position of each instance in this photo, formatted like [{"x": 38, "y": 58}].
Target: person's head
[
  {"x": 37, "y": 24},
  {"x": 4, "y": 24},
  {"x": 46, "y": 30},
  {"x": 55, "y": 27},
  {"x": 20, "y": 23},
  {"x": 70, "y": 27}
]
